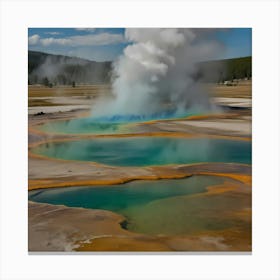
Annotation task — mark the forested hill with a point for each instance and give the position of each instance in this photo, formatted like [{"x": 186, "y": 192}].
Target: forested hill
[
  {"x": 49, "y": 69},
  {"x": 228, "y": 69}
]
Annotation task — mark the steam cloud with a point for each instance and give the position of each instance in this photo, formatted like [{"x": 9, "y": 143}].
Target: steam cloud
[{"x": 158, "y": 73}]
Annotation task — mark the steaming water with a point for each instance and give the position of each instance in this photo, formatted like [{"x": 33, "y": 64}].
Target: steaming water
[
  {"x": 144, "y": 151},
  {"x": 155, "y": 207},
  {"x": 111, "y": 124},
  {"x": 158, "y": 67}
]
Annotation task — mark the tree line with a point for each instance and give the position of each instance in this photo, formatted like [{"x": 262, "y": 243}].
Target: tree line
[{"x": 51, "y": 70}]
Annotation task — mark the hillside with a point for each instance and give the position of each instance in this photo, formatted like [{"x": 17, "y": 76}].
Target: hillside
[
  {"x": 228, "y": 69},
  {"x": 49, "y": 69}
]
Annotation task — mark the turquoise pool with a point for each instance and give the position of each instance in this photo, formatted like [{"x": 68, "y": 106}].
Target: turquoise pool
[
  {"x": 145, "y": 151},
  {"x": 152, "y": 207}
]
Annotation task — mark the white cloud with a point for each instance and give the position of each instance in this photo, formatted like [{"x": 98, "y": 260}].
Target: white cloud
[
  {"x": 86, "y": 29},
  {"x": 34, "y": 39},
  {"x": 79, "y": 40},
  {"x": 58, "y": 41},
  {"x": 97, "y": 39},
  {"x": 53, "y": 33}
]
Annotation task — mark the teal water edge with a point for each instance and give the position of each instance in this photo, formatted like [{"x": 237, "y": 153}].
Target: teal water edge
[
  {"x": 83, "y": 126},
  {"x": 117, "y": 124},
  {"x": 145, "y": 151},
  {"x": 152, "y": 207}
]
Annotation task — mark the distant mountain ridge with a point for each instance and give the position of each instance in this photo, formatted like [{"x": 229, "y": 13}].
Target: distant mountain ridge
[{"x": 50, "y": 69}]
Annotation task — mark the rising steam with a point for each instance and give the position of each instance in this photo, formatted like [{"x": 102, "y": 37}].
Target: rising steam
[{"x": 158, "y": 75}]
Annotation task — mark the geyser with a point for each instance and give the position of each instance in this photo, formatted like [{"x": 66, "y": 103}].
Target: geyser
[{"x": 158, "y": 77}]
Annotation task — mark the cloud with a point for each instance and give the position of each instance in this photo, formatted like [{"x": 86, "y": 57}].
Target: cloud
[
  {"x": 51, "y": 40},
  {"x": 53, "y": 33},
  {"x": 79, "y": 40},
  {"x": 86, "y": 29},
  {"x": 34, "y": 39}
]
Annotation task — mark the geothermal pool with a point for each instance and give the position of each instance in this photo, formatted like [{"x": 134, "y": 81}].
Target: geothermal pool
[
  {"x": 152, "y": 207},
  {"x": 145, "y": 151},
  {"x": 84, "y": 126},
  {"x": 117, "y": 124}
]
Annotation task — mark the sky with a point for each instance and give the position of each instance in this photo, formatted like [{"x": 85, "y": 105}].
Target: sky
[{"x": 106, "y": 44}]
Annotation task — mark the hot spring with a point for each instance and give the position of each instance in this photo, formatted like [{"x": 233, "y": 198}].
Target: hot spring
[
  {"x": 152, "y": 207},
  {"x": 116, "y": 124},
  {"x": 145, "y": 151},
  {"x": 85, "y": 126}
]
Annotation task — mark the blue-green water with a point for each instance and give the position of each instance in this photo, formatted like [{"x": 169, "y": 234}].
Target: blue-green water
[
  {"x": 116, "y": 124},
  {"x": 145, "y": 151},
  {"x": 84, "y": 126},
  {"x": 119, "y": 197},
  {"x": 153, "y": 207}
]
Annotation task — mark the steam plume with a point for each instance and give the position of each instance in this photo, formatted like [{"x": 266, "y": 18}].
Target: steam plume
[{"x": 158, "y": 73}]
